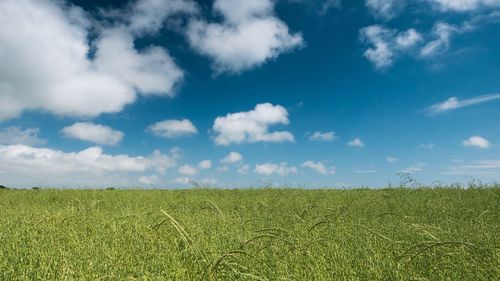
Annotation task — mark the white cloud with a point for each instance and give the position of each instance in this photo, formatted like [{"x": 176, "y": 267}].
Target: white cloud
[
  {"x": 232, "y": 157},
  {"x": 454, "y": 103},
  {"x": 205, "y": 164},
  {"x": 148, "y": 16},
  {"x": 443, "y": 32},
  {"x": 323, "y": 136},
  {"x": 252, "y": 126},
  {"x": 385, "y": 9},
  {"x": 15, "y": 135},
  {"x": 414, "y": 168},
  {"x": 44, "y": 63},
  {"x": 319, "y": 167},
  {"x": 281, "y": 169},
  {"x": 183, "y": 180},
  {"x": 173, "y": 128},
  {"x": 150, "y": 72},
  {"x": 329, "y": 4},
  {"x": 357, "y": 142},
  {"x": 248, "y": 36},
  {"x": 149, "y": 180},
  {"x": 91, "y": 132},
  {"x": 187, "y": 170},
  {"x": 388, "y": 44},
  {"x": 26, "y": 165},
  {"x": 206, "y": 182},
  {"x": 392, "y": 159},
  {"x": 243, "y": 170},
  {"x": 464, "y": 5},
  {"x": 477, "y": 141}
]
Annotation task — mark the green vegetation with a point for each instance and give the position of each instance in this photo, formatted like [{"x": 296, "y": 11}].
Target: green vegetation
[{"x": 265, "y": 234}]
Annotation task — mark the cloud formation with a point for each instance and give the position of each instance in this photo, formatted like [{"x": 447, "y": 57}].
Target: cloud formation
[
  {"x": 319, "y": 167},
  {"x": 249, "y": 35},
  {"x": 322, "y": 136},
  {"x": 387, "y": 44},
  {"x": 385, "y": 9},
  {"x": 187, "y": 170},
  {"x": 205, "y": 164},
  {"x": 269, "y": 169},
  {"x": 173, "y": 128},
  {"x": 91, "y": 132},
  {"x": 45, "y": 63},
  {"x": 357, "y": 142},
  {"x": 15, "y": 135},
  {"x": 454, "y": 103},
  {"x": 26, "y": 165},
  {"x": 252, "y": 126},
  {"x": 231, "y": 158},
  {"x": 464, "y": 5},
  {"x": 477, "y": 141}
]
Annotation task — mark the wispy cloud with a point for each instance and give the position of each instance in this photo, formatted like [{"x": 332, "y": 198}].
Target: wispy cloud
[
  {"x": 414, "y": 168},
  {"x": 454, "y": 103},
  {"x": 323, "y": 136},
  {"x": 429, "y": 145}
]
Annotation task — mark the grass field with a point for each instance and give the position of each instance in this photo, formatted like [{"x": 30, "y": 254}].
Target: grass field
[{"x": 265, "y": 234}]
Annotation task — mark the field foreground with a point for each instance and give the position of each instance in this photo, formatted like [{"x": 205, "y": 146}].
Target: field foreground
[{"x": 266, "y": 234}]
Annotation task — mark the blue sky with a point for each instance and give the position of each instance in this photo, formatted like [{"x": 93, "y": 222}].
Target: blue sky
[{"x": 248, "y": 93}]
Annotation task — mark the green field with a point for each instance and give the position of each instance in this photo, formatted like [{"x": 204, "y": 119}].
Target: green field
[{"x": 254, "y": 234}]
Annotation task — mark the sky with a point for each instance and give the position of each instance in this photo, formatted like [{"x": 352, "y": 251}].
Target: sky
[{"x": 236, "y": 93}]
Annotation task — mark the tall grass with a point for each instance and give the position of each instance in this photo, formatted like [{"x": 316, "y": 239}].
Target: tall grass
[{"x": 267, "y": 234}]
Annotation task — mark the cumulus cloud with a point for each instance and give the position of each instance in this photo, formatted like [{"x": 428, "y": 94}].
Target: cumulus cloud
[
  {"x": 249, "y": 35},
  {"x": 173, "y": 128},
  {"x": 252, "y": 126},
  {"x": 232, "y": 157},
  {"x": 319, "y": 167},
  {"x": 150, "y": 72},
  {"x": 269, "y": 169},
  {"x": 16, "y": 135},
  {"x": 357, "y": 142},
  {"x": 45, "y": 63},
  {"x": 387, "y": 44},
  {"x": 477, "y": 141},
  {"x": 322, "y": 136},
  {"x": 205, "y": 164},
  {"x": 187, "y": 170},
  {"x": 26, "y": 165},
  {"x": 91, "y": 132},
  {"x": 454, "y": 103}
]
